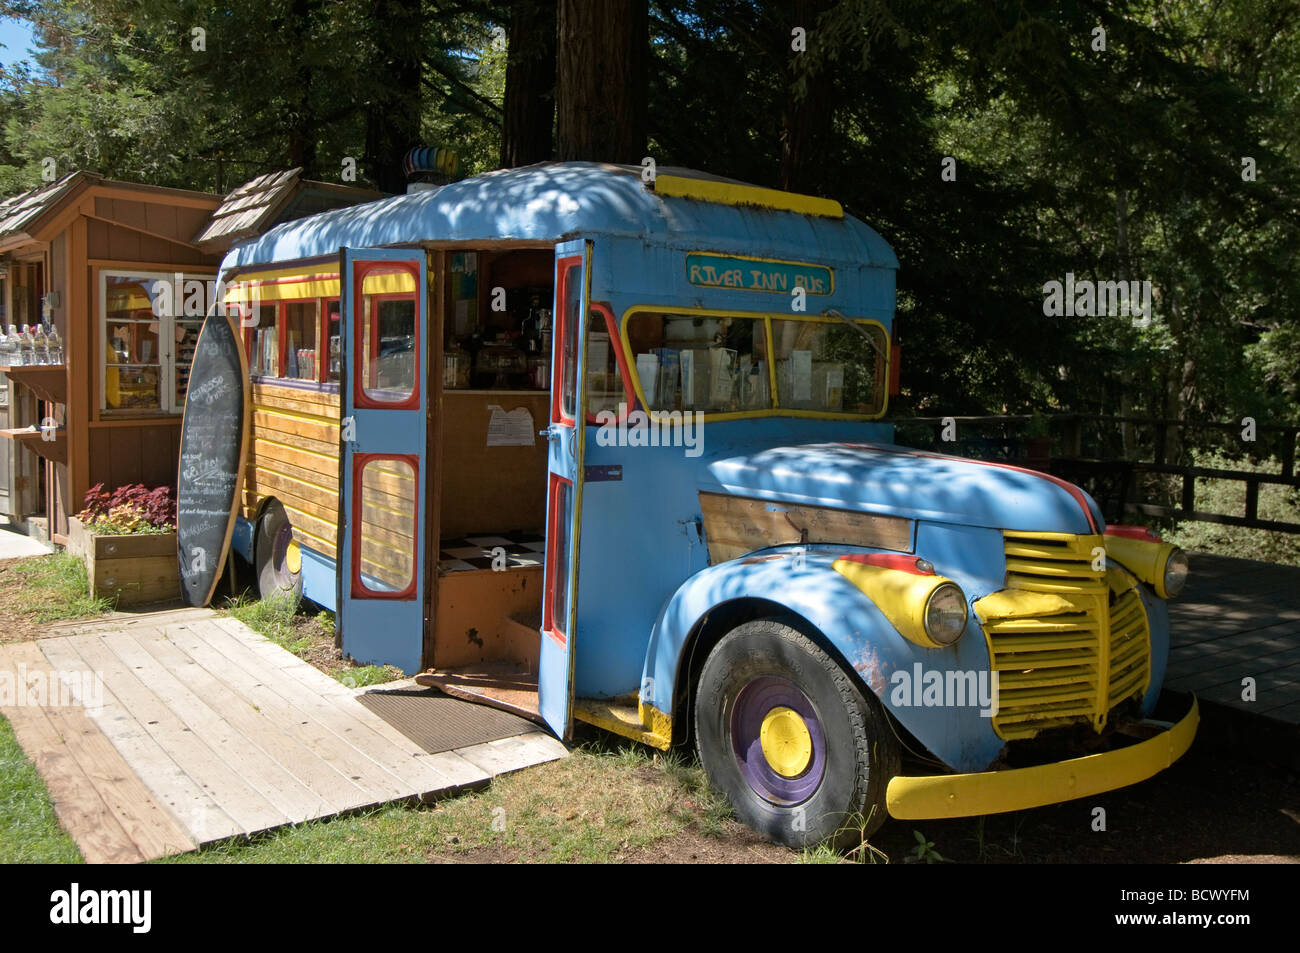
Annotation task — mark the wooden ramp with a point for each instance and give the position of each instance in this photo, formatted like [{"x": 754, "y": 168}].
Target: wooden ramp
[
  {"x": 1238, "y": 618},
  {"x": 164, "y": 737}
]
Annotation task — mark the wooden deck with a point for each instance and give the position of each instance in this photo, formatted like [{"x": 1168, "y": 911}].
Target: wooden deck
[
  {"x": 1238, "y": 618},
  {"x": 190, "y": 728}
]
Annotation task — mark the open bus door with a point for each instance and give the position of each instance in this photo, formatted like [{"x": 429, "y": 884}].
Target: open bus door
[
  {"x": 383, "y": 455},
  {"x": 564, "y": 487}
]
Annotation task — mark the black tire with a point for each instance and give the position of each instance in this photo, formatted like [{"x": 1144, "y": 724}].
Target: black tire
[
  {"x": 277, "y": 576},
  {"x": 840, "y": 797}
]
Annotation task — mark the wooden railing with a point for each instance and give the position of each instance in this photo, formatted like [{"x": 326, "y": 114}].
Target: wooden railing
[{"x": 1110, "y": 456}]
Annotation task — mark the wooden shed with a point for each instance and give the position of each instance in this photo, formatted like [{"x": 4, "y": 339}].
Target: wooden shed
[
  {"x": 96, "y": 258},
  {"x": 91, "y": 255}
]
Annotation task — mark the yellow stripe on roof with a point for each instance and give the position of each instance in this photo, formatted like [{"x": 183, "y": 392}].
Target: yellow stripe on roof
[{"x": 727, "y": 193}]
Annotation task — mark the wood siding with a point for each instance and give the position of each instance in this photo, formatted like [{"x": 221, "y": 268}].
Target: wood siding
[
  {"x": 145, "y": 453},
  {"x": 491, "y": 489},
  {"x": 294, "y": 457},
  {"x": 146, "y": 231}
]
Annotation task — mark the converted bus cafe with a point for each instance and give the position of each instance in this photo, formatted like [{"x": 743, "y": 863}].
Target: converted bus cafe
[
  {"x": 467, "y": 507},
  {"x": 444, "y": 476},
  {"x": 90, "y": 256}
]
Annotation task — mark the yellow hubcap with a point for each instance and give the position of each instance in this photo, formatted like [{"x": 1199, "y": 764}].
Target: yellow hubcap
[
  {"x": 293, "y": 557},
  {"x": 787, "y": 745}
]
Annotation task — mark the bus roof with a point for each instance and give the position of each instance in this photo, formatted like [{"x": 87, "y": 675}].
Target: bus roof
[{"x": 549, "y": 202}]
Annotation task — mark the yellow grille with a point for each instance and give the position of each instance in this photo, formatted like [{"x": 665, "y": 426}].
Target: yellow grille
[{"x": 1069, "y": 667}]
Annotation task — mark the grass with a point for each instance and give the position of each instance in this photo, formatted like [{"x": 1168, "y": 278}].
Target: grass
[
  {"x": 609, "y": 801},
  {"x": 48, "y": 588},
  {"x": 308, "y": 634},
  {"x": 29, "y": 831},
  {"x": 1228, "y": 497}
]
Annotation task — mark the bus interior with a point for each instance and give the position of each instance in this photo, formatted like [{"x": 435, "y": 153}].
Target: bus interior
[{"x": 490, "y": 466}]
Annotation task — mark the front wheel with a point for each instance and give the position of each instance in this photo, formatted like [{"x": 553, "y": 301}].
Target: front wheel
[
  {"x": 802, "y": 754},
  {"x": 279, "y": 559}
]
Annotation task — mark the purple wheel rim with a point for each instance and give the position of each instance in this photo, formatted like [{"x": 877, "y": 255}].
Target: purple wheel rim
[{"x": 753, "y": 703}]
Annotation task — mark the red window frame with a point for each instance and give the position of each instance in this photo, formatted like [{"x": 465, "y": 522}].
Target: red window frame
[
  {"x": 283, "y": 325},
  {"x": 250, "y": 334},
  {"x": 553, "y": 530},
  {"x": 620, "y": 359},
  {"x": 359, "y": 396},
  {"x": 326, "y": 355},
  {"x": 359, "y": 589},
  {"x": 564, "y": 269}
]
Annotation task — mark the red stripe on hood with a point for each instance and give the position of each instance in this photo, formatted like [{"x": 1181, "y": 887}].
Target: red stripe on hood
[{"x": 1070, "y": 488}]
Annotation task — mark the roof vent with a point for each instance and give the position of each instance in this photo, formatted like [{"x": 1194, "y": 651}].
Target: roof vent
[{"x": 426, "y": 166}]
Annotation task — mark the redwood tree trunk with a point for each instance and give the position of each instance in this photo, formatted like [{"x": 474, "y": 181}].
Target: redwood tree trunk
[
  {"x": 526, "y": 135},
  {"x": 393, "y": 110},
  {"x": 302, "y": 128},
  {"x": 806, "y": 120},
  {"x": 603, "y": 51}
]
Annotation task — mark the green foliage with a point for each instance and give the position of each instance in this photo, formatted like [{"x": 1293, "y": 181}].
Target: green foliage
[
  {"x": 1228, "y": 497},
  {"x": 119, "y": 88},
  {"x": 924, "y": 851},
  {"x": 1117, "y": 164}
]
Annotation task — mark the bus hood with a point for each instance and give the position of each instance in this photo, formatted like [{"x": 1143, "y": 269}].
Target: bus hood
[{"x": 897, "y": 481}]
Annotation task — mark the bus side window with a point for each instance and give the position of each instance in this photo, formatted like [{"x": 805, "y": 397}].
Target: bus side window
[{"x": 607, "y": 385}]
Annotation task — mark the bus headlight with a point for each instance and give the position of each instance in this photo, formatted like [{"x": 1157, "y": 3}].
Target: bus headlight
[
  {"x": 945, "y": 614},
  {"x": 1175, "y": 573}
]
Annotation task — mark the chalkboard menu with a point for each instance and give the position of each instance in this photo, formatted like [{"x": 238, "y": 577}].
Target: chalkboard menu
[{"x": 214, "y": 432}]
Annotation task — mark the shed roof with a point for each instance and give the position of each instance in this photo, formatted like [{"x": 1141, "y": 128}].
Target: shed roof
[
  {"x": 548, "y": 202},
  {"x": 18, "y": 213},
  {"x": 250, "y": 209}
]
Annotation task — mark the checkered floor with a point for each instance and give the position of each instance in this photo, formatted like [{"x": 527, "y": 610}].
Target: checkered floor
[{"x": 476, "y": 552}]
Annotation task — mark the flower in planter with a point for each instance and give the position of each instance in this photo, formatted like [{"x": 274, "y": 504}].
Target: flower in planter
[{"x": 129, "y": 510}]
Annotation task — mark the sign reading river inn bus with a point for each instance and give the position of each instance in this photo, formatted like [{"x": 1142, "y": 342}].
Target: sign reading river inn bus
[{"x": 787, "y": 588}]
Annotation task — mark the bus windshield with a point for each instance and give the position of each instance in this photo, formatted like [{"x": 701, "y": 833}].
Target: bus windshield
[{"x": 720, "y": 364}]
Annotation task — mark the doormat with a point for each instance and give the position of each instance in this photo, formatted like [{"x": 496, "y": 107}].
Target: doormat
[{"x": 437, "y": 723}]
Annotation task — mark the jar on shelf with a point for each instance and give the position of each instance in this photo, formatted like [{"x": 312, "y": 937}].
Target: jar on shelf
[{"x": 455, "y": 368}]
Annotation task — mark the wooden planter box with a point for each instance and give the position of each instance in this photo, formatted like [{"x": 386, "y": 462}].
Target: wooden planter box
[{"x": 131, "y": 569}]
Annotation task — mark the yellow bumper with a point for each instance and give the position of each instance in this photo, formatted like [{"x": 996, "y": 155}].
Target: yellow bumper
[{"x": 993, "y": 792}]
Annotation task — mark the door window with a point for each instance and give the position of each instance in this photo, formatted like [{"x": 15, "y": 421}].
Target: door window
[
  {"x": 388, "y": 336},
  {"x": 383, "y": 551},
  {"x": 559, "y": 551}
]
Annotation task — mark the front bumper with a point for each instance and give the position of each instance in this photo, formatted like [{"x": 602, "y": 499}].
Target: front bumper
[{"x": 994, "y": 792}]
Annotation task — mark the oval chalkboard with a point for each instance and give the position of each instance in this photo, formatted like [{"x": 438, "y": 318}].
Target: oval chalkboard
[{"x": 214, "y": 434}]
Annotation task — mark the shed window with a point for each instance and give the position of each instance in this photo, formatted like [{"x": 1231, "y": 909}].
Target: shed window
[{"x": 149, "y": 325}]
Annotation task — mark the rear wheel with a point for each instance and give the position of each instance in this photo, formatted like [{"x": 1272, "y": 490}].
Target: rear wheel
[
  {"x": 279, "y": 558},
  {"x": 802, "y": 754}
]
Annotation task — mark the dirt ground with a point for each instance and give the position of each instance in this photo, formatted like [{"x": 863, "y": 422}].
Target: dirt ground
[{"x": 1209, "y": 807}]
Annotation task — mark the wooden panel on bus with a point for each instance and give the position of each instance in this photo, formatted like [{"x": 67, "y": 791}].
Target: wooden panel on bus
[
  {"x": 294, "y": 457},
  {"x": 388, "y": 520},
  {"x": 736, "y": 525}
]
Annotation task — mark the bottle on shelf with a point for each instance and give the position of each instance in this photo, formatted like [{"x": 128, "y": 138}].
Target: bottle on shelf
[
  {"x": 28, "y": 345},
  {"x": 6, "y": 354},
  {"x": 40, "y": 345},
  {"x": 56, "y": 346}
]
